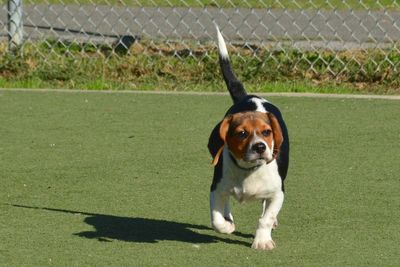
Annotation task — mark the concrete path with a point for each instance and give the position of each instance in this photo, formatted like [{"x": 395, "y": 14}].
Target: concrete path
[
  {"x": 224, "y": 94},
  {"x": 308, "y": 29}
]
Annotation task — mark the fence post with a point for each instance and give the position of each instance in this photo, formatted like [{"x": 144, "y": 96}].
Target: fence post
[{"x": 15, "y": 26}]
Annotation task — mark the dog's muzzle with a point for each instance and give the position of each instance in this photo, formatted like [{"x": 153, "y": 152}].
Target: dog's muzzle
[{"x": 259, "y": 148}]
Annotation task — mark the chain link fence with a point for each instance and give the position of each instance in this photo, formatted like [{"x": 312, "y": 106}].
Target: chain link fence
[{"x": 331, "y": 36}]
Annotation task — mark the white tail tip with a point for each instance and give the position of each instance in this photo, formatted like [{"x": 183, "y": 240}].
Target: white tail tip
[{"x": 223, "y": 51}]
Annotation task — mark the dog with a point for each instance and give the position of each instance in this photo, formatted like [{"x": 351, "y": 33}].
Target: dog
[{"x": 250, "y": 151}]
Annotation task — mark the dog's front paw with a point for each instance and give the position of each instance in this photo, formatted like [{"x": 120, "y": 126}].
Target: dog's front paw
[
  {"x": 263, "y": 240},
  {"x": 225, "y": 227},
  {"x": 263, "y": 244}
]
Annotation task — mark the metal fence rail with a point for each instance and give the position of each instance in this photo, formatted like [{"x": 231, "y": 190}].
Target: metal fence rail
[{"x": 281, "y": 25}]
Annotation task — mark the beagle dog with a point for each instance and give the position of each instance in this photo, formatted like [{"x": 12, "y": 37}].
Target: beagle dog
[{"x": 250, "y": 150}]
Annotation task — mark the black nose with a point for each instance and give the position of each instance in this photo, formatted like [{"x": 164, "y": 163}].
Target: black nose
[{"x": 259, "y": 148}]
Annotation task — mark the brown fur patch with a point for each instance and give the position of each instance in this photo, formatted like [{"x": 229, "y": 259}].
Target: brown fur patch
[
  {"x": 253, "y": 124},
  {"x": 239, "y": 130}
]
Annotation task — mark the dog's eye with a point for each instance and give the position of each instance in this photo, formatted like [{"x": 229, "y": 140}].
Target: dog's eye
[
  {"x": 242, "y": 134},
  {"x": 266, "y": 133}
]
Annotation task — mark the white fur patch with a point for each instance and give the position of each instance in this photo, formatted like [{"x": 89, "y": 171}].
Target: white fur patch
[
  {"x": 259, "y": 103},
  {"x": 223, "y": 51},
  {"x": 259, "y": 184}
]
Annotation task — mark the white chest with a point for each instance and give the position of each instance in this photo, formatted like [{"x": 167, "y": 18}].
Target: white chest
[{"x": 262, "y": 183}]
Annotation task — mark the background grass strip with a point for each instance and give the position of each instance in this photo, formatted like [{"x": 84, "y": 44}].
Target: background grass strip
[{"x": 159, "y": 66}]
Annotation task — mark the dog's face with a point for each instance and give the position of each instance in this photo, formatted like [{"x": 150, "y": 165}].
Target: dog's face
[{"x": 253, "y": 138}]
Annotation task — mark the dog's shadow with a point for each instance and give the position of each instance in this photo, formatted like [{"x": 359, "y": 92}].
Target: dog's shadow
[{"x": 142, "y": 230}]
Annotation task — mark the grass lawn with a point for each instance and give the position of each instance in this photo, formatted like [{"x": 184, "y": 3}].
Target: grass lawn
[{"x": 97, "y": 179}]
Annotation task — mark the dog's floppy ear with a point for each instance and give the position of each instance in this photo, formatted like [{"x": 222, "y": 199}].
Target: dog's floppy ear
[
  {"x": 277, "y": 132},
  {"x": 223, "y": 131}
]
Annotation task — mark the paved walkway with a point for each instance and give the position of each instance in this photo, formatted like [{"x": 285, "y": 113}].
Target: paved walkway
[
  {"x": 299, "y": 28},
  {"x": 312, "y": 95}
]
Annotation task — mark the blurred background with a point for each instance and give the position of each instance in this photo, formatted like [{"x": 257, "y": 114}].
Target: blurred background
[{"x": 170, "y": 45}]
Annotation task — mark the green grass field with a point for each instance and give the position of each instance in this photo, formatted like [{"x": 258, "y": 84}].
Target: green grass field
[{"x": 122, "y": 179}]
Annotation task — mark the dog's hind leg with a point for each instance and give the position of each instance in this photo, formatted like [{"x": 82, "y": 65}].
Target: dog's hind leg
[{"x": 221, "y": 218}]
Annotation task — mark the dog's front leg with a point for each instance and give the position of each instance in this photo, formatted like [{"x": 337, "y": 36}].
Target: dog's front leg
[
  {"x": 221, "y": 218},
  {"x": 263, "y": 238}
]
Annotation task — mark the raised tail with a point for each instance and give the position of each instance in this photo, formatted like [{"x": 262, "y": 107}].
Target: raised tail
[{"x": 235, "y": 87}]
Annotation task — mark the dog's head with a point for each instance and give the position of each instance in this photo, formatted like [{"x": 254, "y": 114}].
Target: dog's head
[{"x": 253, "y": 138}]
